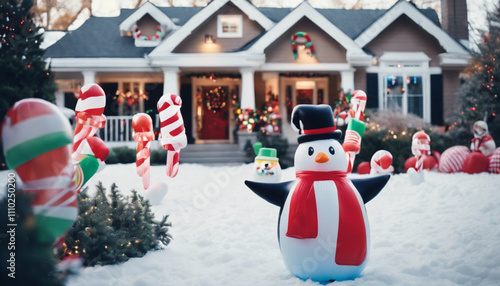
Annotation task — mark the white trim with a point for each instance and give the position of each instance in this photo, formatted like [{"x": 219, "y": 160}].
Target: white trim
[
  {"x": 305, "y": 67},
  {"x": 238, "y": 20},
  {"x": 404, "y": 57},
  {"x": 354, "y": 52},
  {"x": 403, "y": 7},
  {"x": 199, "y": 18},
  {"x": 450, "y": 59},
  {"x": 430, "y": 70},
  {"x": 147, "y": 8},
  {"x": 100, "y": 64},
  {"x": 239, "y": 59}
]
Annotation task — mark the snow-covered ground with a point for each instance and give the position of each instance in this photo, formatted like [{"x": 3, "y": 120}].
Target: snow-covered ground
[{"x": 445, "y": 231}]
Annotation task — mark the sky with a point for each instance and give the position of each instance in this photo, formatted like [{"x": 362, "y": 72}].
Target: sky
[{"x": 476, "y": 8}]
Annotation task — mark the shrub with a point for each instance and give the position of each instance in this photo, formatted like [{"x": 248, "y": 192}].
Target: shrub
[{"x": 121, "y": 155}]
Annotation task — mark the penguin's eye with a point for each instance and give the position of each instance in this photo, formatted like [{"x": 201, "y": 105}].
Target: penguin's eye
[
  {"x": 311, "y": 151},
  {"x": 332, "y": 151}
]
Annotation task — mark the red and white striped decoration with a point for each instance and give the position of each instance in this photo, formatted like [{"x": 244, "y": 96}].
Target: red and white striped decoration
[
  {"x": 88, "y": 115},
  {"x": 453, "y": 158},
  {"x": 381, "y": 163},
  {"x": 494, "y": 165},
  {"x": 143, "y": 135},
  {"x": 173, "y": 136}
]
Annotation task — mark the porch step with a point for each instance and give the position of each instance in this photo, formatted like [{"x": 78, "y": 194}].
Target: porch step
[{"x": 211, "y": 154}]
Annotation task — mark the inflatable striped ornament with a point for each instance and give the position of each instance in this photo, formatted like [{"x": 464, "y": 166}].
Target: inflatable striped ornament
[
  {"x": 352, "y": 141},
  {"x": 143, "y": 135},
  {"x": 494, "y": 165},
  {"x": 452, "y": 159},
  {"x": 88, "y": 115},
  {"x": 173, "y": 135},
  {"x": 381, "y": 163},
  {"x": 91, "y": 160},
  {"x": 37, "y": 145}
]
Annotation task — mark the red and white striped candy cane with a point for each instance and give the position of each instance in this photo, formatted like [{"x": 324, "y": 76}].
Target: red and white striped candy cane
[
  {"x": 173, "y": 136},
  {"x": 143, "y": 135},
  {"x": 88, "y": 115}
]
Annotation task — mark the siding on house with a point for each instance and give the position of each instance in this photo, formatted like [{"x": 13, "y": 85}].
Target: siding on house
[
  {"x": 360, "y": 79},
  {"x": 451, "y": 84},
  {"x": 327, "y": 50},
  {"x": 147, "y": 25},
  {"x": 404, "y": 35},
  {"x": 195, "y": 43}
]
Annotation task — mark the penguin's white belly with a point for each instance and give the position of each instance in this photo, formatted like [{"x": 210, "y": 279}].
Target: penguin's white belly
[{"x": 315, "y": 258}]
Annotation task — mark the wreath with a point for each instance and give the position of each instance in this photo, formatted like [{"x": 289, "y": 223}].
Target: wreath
[
  {"x": 308, "y": 43},
  {"x": 138, "y": 35}
]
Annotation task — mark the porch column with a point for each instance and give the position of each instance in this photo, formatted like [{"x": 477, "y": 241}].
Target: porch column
[
  {"x": 347, "y": 81},
  {"x": 247, "y": 88},
  {"x": 60, "y": 98},
  {"x": 88, "y": 77},
  {"x": 171, "y": 80}
]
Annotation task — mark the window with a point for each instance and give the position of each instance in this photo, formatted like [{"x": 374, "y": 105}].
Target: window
[
  {"x": 404, "y": 93},
  {"x": 229, "y": 26}
]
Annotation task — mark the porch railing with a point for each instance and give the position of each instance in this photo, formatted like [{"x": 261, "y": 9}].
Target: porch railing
[{"x": 119, "y": 128}]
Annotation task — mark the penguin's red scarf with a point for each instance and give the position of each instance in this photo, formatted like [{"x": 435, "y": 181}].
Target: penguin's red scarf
[{"x": 303, "y": 216}]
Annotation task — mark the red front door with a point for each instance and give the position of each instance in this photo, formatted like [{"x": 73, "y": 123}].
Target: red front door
[{"x": 215, "y": 118}]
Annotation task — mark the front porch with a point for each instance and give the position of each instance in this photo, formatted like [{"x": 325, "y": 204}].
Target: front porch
[{"x": 212, "y": 100}]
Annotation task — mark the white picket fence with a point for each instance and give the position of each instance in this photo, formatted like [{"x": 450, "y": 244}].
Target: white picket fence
[{"x": 119, "y": 128}]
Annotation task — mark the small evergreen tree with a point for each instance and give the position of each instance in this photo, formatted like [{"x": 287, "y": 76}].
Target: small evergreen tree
[
  {"x": 34, "y": 260},
  {"x": 480, "y": 95},
  {"x": 23, "y": 71},
  {"x": 110, "y": 231}
]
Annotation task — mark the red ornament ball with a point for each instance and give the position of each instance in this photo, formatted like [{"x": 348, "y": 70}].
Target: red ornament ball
[
  {"x": 363, "y": 168},
  {"x": 410, "y": 163},
  {"x": 430, "y": 163},
  {"x": 475, "y": 163}
]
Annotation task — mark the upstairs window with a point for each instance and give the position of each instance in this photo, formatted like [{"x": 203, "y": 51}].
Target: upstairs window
[{"x": 229, "y": 26}]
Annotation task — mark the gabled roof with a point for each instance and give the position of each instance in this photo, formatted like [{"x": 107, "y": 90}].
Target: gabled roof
[
  {"x": 153, "y": 11},
  {"x": 306, "y": 10},
  {"x": 178, "y": 36},
  {"x": 405, "y": 8}
]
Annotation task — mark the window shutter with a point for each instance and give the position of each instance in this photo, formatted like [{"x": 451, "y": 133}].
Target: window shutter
[
  {"x": 372, "y": 90},
  {"x": 437, "y": 99}
]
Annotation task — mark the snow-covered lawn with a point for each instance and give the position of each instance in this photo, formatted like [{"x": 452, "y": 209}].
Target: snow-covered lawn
[{"x": 445, "y": 231}]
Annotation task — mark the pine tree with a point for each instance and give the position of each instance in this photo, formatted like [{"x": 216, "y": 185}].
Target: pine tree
[
  {"x": 480, "y": 95},
  {"x": 23, "y": 71},
  {"x": 110, "y": 231}
]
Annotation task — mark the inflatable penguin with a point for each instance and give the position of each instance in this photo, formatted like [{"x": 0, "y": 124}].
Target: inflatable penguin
[{"x": 323, "y": 227}]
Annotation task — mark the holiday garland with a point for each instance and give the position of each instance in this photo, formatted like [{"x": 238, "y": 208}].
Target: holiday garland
[
  {"x": 138, "y": 34},
  {"x": 308, "y": 43}
]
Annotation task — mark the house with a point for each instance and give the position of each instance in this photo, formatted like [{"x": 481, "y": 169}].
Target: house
[{"x": 231, "y": 54}]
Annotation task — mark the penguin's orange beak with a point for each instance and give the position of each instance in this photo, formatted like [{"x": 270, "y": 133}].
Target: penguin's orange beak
[{"x": 321, "y": 158}]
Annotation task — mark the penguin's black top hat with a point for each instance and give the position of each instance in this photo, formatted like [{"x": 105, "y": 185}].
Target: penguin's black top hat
[{"x": 314, "y": 122}]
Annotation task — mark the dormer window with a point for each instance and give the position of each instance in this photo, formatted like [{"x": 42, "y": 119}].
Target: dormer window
[{"x": 229, "y": 26}]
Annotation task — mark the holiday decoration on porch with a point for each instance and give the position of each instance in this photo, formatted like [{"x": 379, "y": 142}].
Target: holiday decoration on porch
[
  {"x": 215, "y": 99},
  {"x": 322, "y": 203},
  {"x": 355, "y": 129},
  {"x": 156, "y": 37},
  {"x": 143, "y": 135},
  {"x": 308, "y": 43},
  {"x": 37, "y": 145},
  {"x": 420, "y": 148},
  {"x": 173, "y": 135},
  {"x": 88, "y": 114},
  {"x": 131, "y": 98},
  {"x": 266, "y": 164}
]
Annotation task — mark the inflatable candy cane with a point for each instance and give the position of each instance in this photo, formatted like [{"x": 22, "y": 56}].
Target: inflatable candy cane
[
  {"x": 91, "y": 160},
  {"x": 173, "y": 136},
  {"x": 88, "y": 115},
  {"x": 37, "y": 145},
  {"x": 143, "y": 135},
  {"x": 355, "y": 129}
]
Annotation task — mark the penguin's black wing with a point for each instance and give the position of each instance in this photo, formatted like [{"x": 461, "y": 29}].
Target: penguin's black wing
[
  {"x": 370, "y": 187},
  {"x": 275, "y": 193}
]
